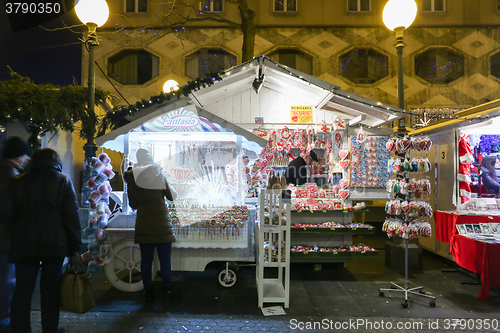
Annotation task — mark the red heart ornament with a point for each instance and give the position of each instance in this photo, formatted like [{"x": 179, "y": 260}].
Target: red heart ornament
[
  {"x": 343, "y": 194},
  {"x": 390, "y": 146},
  {"x": 343, "y": 153},
  {"x": 344, "y": 183},
  {"x": 344, "y": 164}
]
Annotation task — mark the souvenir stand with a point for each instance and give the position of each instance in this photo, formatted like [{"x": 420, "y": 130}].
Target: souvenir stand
[
  {"x": 205, "y": 164},
  {"x": 263, "y": 99},
  {"x": 321, "y": 211},
  {"x": 466, "y": 215},
  {"x": 408, "y": 209}
]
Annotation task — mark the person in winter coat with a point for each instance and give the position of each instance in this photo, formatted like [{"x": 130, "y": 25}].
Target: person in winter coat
[
  {"x": 45, "y": 229},
  {"x": 15, "y": 156},
  {"x": 296, "y": 172},
  {"x": 488, "y": 176},
  {"x": 147, "y": 188}
]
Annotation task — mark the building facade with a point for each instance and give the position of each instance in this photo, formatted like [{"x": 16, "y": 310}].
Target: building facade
[{"x": 451, "y": 55}]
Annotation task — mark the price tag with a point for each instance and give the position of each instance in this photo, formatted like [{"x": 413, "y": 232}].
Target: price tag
[
  {"x": 271, "y": 228},
  {"x": 299, "y": 211},
  {"x": 305, "y": 228},
  {"x": 324, "y": 211},
  {"x": 311, "y": 211},
  {"x": 335, "y": 253},
  {"x": 363, "y": 252},
  {"x": 305, "y": 252},
  {"x": 332, "y": 228},
  {"x": 370, "y": 228},
  {"x": 353, "y": 228}
]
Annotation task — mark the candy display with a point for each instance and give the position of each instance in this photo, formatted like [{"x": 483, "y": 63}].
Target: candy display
[
  {"x": 102, "y": 172},
  {"x": 369, "y": 159},
  {"x": 415, "y": 229},
  {"x": 344, "y": 249},
  {"x": 408, "y": 192},
  {"x": 202, "y": 222},
  {"x": 330, "y": 225}
]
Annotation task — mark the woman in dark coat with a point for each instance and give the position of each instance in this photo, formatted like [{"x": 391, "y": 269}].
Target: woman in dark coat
[
  {"x": 147, "y": 189},
  {"x": 45, "y": 229}
]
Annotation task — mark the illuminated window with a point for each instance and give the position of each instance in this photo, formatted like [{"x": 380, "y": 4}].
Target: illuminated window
[
  {"x": 293, "y": 58},
  {"x": 133, "y": 66},
  {"x": 208, "y": 60},
  {"x": 433, "y": 5},
  {"x": 361, "y": 65},
  {"x": 285, "y": 5},
  {"x": 136, "y": 6},
  {"x": 212, "y": 6},
  {"x": 439, "y": 66},
  {"x": 358, "y": 5}
]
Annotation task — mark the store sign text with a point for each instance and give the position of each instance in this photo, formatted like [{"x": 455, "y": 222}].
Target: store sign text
[
  {"x": 301, "y": 114},
  {"x": 181, "y": 121}
]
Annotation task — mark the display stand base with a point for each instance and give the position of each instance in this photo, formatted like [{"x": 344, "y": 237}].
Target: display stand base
[{"x": 417, "y": 291}]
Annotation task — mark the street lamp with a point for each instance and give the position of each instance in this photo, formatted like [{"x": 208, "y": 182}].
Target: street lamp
[
  {"x": 92, "y": 13},
  {"x": 397, "y": 16}
]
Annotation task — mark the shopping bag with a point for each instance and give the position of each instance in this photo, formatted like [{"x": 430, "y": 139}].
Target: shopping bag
[{"x": 76, "y": 290}]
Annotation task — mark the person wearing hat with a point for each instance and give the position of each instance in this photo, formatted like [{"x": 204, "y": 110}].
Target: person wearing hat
[
  {"x": 296, "y": 171},
  {"x": 147, "y": 188},
  {"x": 14, "y": 158}
]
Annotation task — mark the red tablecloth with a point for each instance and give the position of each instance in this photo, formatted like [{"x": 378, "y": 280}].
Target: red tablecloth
[
  {"x": 479, "y": 257},
  {"x": 445, "y": 223}
]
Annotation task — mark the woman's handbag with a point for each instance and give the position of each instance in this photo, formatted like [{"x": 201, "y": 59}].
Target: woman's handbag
[{"x": 76, "y": 290}]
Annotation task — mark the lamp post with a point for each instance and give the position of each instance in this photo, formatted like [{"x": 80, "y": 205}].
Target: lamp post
[
  {"x": 398, "y": 15},
  {"x": 93, "y": 13}
]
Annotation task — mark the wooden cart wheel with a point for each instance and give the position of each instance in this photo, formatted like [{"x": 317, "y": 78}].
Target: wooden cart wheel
[{"x": 124, "y": 268}]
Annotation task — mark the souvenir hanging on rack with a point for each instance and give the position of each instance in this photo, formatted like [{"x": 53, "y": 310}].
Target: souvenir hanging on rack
[
  {"x": 343, "y": 153},
  {"x": 323, "y": 128},
  {"x": 297, "y": 138},
  {"x": 339, "y": 124},
  {"x": 337, "y": 137},
  {"x": 361, "y": 137}
]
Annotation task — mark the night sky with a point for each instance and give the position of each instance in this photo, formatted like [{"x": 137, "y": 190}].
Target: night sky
[{"x": 43, "y": 56}]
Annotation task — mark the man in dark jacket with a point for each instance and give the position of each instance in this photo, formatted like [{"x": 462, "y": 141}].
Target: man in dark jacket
[
  {"x": 15, "y": 156},
  {"x": 296, "y": 172},
  {"x": 45, "y": 228}
]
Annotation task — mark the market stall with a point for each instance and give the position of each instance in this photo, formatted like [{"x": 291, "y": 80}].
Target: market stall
[
  {"x": 466, "y": 201},
  {"x": 205, "y": 163},
  {"x": 287, "y": 113}
]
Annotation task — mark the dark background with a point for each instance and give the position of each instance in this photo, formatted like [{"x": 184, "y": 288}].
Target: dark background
[{"x": 43, "y": 56}]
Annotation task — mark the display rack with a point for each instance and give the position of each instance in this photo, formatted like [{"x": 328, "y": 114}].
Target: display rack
[
  {"x": 403, "y": 156},
  {"x": 273, "y": 259}
]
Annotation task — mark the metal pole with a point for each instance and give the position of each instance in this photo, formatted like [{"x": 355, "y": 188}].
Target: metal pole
[
  {"x": 90, "y": 147},
  {"x": 401, "y": 87}
]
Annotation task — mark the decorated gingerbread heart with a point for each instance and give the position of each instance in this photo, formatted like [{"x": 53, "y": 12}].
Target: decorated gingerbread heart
[
  {"x": 344, "y": 164},
  {"x": 344, "y": 183},
  {"x": 343, "y": 153},
  {"x": 343, "y": 194}
]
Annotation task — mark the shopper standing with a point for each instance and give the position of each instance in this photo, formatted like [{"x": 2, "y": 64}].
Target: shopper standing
[
  {"x": 45, "y": 228},
  {"x": 296, "y": 172},
  {"x": 147, "y": 189},
  {"x": 15, "y": 156}
]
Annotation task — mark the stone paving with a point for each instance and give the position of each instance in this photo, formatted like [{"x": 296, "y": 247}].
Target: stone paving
[{"x": 142, "y": 322}]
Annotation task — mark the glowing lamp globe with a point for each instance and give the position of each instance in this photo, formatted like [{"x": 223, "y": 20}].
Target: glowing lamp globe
[
  {"x": 92, "y": 11},
  {"x": 170, "y": 85},
  {"x": 399, "y": 13}
]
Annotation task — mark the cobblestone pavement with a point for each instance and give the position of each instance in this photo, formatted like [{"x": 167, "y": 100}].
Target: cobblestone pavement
[{"x": 125, "y": 322}]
